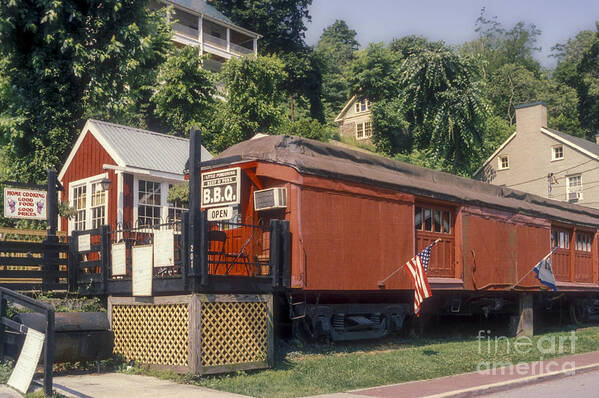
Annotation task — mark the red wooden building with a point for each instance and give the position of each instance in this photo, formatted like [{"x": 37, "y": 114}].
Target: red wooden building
[{"x": 140, "y": 165}]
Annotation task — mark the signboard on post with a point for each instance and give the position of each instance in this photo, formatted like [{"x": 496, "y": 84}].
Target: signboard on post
[
  {"x": 221, "y": 188},
  {"x": 25, "y": 203}
]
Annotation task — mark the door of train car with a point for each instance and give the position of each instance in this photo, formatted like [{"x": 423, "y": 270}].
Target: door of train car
[{"x": 432, "y": 222}]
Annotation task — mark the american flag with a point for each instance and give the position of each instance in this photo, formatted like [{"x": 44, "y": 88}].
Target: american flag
[{"x": 418, "y": 267}]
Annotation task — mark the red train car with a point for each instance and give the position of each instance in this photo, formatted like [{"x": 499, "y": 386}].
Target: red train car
[{"x": 355, "y": 218}]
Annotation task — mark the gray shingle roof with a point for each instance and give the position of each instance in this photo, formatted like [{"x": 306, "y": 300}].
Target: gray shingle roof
[
  {"x": 202, "y": 7},
  {"x": 581, "y": 142},
  {"x": 146, "y": 149}
]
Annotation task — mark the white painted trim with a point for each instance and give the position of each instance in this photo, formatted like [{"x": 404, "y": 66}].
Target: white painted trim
[
  {"x": 500, "y": 163},
  {"x": 88, "y": 192},
  {"x": 569, "y": 143},
  {"x": 553, "y": 147},
  {"x": 89, "y": 127},
  {"x": 511, "y": 137},
  {"x": 145, "y": 172},
  {"x": 349, "y": 103},
  {"x": 120, "y": 197}
]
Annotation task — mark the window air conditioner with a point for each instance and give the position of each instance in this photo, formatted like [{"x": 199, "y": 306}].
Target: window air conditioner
[
  {"x": 573, "y": 196},
  {"x": 272, "y": 198}
]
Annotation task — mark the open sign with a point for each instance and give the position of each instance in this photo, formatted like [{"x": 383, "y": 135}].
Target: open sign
[{"x": 221, "y": 188}]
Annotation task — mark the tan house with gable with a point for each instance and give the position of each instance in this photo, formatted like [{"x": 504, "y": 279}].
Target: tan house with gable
[
  {"x": 355, "y": 120},
  {"x": 545, "y": 162}
]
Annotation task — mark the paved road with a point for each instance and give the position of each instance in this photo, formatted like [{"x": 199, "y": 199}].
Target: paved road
[{"x": 579, "y": 386}]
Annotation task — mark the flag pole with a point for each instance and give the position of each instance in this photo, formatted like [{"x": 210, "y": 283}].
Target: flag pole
[
  {"x": 530, "y": 270},
  {"x": 382, "y": 283}
]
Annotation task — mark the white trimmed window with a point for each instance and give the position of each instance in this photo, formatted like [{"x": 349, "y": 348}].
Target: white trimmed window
[
  {"x": 574, "y": 187},
  {"x": 175, "y": 209},
  {"x": 557, "y": 152},
  {"x": 79, "y": 202},
  {"x": 363, "y": 130},
  {"x": 90, "y": 203},
  {"x": 98, "y": 205},
  {"x": 362, "y": 106},
  {"x": 504, "y": 162},
  {"x": 148, "y": 203}
]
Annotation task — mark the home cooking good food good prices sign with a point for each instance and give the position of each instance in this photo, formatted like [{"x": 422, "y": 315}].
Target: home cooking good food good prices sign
[{"x": 24, "y": 203}]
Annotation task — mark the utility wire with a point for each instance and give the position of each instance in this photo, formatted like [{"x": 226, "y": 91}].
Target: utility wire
[{"x": 558, "y": 172}]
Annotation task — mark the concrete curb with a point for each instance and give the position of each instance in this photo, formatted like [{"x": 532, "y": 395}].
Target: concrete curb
[{"x": 512, "y": 384}]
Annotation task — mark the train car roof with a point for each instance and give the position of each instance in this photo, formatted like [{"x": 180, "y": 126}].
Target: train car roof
[{"x": 330, "y": 161}]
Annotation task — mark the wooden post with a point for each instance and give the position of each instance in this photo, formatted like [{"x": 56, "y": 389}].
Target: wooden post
[
  {"x": 105, "y": 255},
  {"x": 49, "y": 352},
  {"x": 195, "y": 206},
  {"x": 275, "y": 253},
  {"x": 255, "y": 46},
  {"x": 228, "y": 40},
  {"x": 50, "y": 244},
  {"x": 2, "y": 334},
  {"x": 525, "y": 323}
]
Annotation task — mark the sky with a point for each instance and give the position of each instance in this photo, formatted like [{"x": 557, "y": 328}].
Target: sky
[{"x": 453, "y": 21}]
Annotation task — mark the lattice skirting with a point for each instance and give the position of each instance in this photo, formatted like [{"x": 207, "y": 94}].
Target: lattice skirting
[{"x": 194, "y": 333}]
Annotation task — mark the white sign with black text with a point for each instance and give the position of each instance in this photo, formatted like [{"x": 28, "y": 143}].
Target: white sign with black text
[
  {"x": 141, "y": 264},
  {"x": 119, "y": 259},
  {"x": 220, "y": 213},
  {"x": 24, "y": 203},
  {"x": 22, "y": 374},
  {"x": 164, "y": 248},
  {"x": 84, "y": 243},
  {"x": 221, "y": 188}
]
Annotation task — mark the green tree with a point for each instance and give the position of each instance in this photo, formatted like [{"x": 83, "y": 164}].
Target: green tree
[
  {"x": 570, "y": 54},
  {"x": 281, "y": 22},
  {"x": 255, "y": 100},
  {"x": 587, "y": 88},
  {"x": 62, "y": 58},
  {"x": 307, "y": 128},
  {"x": 335, "y": 50},
  {"x": 374, "y": 73},
  {"x": 184, "y": 95},
  {"x": 499, "y": 46},
  {"x": 445, "y": 106}
]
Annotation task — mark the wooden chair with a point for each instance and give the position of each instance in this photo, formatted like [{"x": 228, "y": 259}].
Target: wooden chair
[{"x": 216, "y": 237}]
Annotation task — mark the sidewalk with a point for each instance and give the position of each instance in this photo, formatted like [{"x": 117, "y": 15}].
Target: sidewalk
[
  {"x": 120, "y": 385},
  {"x": 475, "y": 383}
]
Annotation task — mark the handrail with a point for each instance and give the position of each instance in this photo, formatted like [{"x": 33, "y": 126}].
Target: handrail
[{"x": 46, "y": 310}]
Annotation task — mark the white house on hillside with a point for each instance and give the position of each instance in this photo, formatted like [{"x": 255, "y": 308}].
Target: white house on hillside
[{"x": 199, "y": 24}]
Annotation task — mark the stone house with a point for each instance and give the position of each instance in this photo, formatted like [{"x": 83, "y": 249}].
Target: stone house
[
  {"x": 544, "y": 161},
  {"x": 355, "y": 120}
]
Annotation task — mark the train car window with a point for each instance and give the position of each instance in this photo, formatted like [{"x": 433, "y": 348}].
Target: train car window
[
  {"x": 432, "y": 220},
  {"x": 583, "y": 241},
  {"x": 446, "y": 222},
  {"x": 437, "y": 220},
  {"x": 428, "y": 225},
  {"x": 561, "y": 239},
  {"x": 418, "y": 218}
]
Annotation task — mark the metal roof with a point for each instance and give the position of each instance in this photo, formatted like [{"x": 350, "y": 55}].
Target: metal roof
[
  {"x": 203, "y": 8},
  {"x": 146, "y": 149},
  {"x": 581, "y": 142}
]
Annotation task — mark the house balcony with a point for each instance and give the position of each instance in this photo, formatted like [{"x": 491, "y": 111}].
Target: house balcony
[{"x": 225, "y": 42}]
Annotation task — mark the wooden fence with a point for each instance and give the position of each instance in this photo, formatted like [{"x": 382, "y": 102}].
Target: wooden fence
[{"x": 30, "y": 262}]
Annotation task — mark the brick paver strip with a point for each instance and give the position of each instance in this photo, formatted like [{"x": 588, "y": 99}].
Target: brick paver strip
[{"x": 463, "y": 381}]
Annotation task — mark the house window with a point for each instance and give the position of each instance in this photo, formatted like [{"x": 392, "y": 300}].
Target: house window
[
  {"x": 148, "y": 208},
  {"x": 79, "y": 203},
  {"x": 504, "y": 162},
  {"x": 90, "y": 203},
  {"x": 432, "y": 220},
  {"x": 583, "y": 241},
  {"x": 98, "y": 205},
  {"x": 557, "y": 152},
  {"x": 360, "y": 131},
  {"x": 362, "y": 106},
  {"x": 175, "y": 209},
  {"x": 574, "y": 187},
  {"x": 367, "y": 129}
]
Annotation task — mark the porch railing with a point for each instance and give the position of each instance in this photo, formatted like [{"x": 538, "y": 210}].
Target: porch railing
[{"x": 232, "y": 253}]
